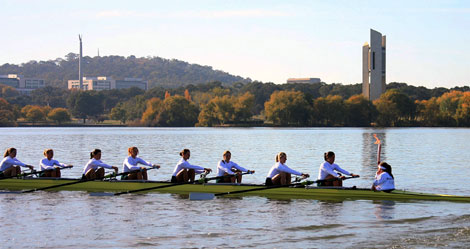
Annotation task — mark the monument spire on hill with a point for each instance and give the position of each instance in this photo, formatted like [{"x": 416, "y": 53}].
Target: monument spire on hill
[{"x": 80, "y": 73}]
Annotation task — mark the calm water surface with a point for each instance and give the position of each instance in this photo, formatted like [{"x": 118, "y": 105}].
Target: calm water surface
[{"x": 426, "y": 160}]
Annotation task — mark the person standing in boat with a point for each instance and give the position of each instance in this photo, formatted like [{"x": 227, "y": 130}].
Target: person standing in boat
[
  {"x": 94, "y": 169},
  {"x": 229, "y": 171},
  {"x": 384, "y": 180},
  {"x": 280, "y": 174},
  {"x": 130, "y": 164},
  {"x": 184, "y": 171},
  {"x": 50, "y": 166},
  {"x": 327, "y": 175},
  {"x": 10, "y": 166}
]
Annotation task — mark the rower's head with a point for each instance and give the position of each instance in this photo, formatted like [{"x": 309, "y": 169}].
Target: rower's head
[
  {"x": 49, "y": 153},
  {"x": 329, "y": 156},
  {"x": 133, "y": 151},
  {"x": 385, "y": 167},
  {"x": 281, "y": 157},
  {"x": 96, "y": 153},
  {"x": 185, "y": 153},
  {"x": 10, "y": 152},
  {"x": 227, "y": 156}
]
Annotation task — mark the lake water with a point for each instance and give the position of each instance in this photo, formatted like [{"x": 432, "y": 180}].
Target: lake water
[{"x": 423, "y": 159}]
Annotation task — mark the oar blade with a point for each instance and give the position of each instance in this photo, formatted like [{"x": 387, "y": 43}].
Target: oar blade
[
  {"x": 10, "y": 192},
  {"x": 201, "y": 196},
  {"x": 101, "y": 194}
]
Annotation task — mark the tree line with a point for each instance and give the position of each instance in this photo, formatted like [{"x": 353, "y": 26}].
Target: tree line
[
  {"x": 157, "y": 71},
  {"x": 254, "y": 103}
]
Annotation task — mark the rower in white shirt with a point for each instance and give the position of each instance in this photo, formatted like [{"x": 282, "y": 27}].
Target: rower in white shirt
[
  {"x": 327, "y": 175},
  {"x": 50, "y": 166},
  {"x": 94, "y": 169},
  {"x": 280, "y": 174},
  {"x": 184, "y": 171},
  {"x": 130, "y": 164},
  {"x": 229, "y": 171},
  {"x": 384, "y": 180},
  {"x": 10, "y": 166}
]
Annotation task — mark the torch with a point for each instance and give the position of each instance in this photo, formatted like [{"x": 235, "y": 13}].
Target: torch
[{"x": 379, "y": 147}]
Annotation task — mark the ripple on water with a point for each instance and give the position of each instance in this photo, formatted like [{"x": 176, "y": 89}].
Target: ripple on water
[{"x": 314, "y": 227}]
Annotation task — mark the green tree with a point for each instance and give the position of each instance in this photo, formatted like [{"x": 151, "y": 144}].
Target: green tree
[
  {"x": 84, "y": 104},
  {"x": 359, "y": 111},
  {"x": 329, "y": 111},
  {"x": 395, "y": 109},
  {"x": 286, "y": 108},
  {"x": 208, "y": 115},
  {"x": 244, "y": 107},
  {"x": 59, "y": 115},
  {"x": 119, "y": 113},
  {"x": 177, "y": 111}
]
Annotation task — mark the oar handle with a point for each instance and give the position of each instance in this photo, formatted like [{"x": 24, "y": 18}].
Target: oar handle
[
  {"x": 204, "y": 180},
  {"x": 114, "y": 174}
]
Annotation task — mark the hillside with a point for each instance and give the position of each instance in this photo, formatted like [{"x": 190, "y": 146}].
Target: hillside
[{"x": 157, "y": 71}]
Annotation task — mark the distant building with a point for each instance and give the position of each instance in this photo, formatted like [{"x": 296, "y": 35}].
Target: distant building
[
  {"x": 373, "y": 66},
  {"x": 106, "y": 83},
  {"x": 21, "y": 84},
  {"x": 303, "y": 80}
]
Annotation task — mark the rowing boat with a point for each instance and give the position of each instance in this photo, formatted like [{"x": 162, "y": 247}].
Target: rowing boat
[{"x": 318, "y": 193}]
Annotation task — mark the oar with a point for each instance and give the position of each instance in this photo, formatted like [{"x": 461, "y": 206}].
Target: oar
[
  {"x": 210, "y": 196},
  {"x": 201, "y": 180},
  {"x": 33, "y": 172},
  {"x": 204, "y": 179},
  {"x": 81, "y": 181}
]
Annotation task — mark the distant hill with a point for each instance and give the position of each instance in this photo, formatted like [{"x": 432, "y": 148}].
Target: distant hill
[{"x": 157, "y": 71}]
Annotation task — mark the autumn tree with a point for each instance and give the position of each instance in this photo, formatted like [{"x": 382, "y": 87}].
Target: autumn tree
[
  {"x": 174, "y": 111},
  {"x": 428, "y": 112},
  {"x": 186, "y": 95},
  {"x": 34, "y": 113},
  {"x": 7, "y": 115},
  {"x": 152, "y": 110},
  {"x": 59, "y": 115}
]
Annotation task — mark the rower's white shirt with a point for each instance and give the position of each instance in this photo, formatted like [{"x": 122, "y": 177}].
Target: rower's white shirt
[
  {"x": 46, "y": 164},
  {"x": 226, "y": 167},
  {"x": 8, "y": 161},
  {"x": 94, "y": 164},
  {"x": 183, "y": 164},
  {"x": 130, "y": 163},
  {"x": 329, "y": 169},
  {"x": 384, "y": 181},
  {"x": 279, "y": 167}
]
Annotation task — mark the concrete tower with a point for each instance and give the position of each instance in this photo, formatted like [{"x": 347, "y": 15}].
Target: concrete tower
[
  {"x": 80, "y": 73},
  {"x": 373, "y": 66}
]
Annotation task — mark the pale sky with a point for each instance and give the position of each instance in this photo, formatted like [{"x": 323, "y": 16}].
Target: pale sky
[{"x": 428, "y": 41}]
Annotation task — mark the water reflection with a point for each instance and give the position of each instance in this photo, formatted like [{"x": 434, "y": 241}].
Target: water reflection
[
  {"x": 369, "y": 151},
  {"x": 384, "y": 210},
  {"x": 329, "y": 209}
]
